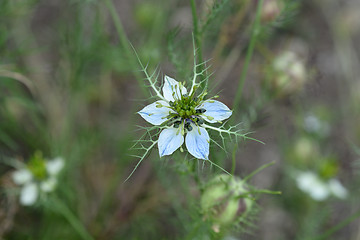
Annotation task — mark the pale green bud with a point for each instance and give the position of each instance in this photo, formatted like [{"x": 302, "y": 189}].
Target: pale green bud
[{"x": 225, "y": 201}]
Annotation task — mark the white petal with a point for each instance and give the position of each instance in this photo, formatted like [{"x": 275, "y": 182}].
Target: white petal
[
  {"x": 311, "y": 184},
  {"x": 156, "y": 115},
  {"x": 172, "y": 86},
  {"x": 337, "y": 188},
  {"x": 319, "y": 192},
  {"x": 169, "y": 141},
  {"x": 198, "y": 143},
  {"x": 215, "y": 110},
  {"x": 312, "y": 123},
  {"x": 54, "y": 166},
  {"x": 304, "y": 180},
  {"x": 22, "y": 176},
  {"x": 29, "y": 194},
  {"x": 48, "y": 185}
]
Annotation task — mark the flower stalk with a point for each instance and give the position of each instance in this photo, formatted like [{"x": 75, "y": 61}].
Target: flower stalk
[
  {"x": 197, "y": 34},
  {"x": 249, "y": 53}
]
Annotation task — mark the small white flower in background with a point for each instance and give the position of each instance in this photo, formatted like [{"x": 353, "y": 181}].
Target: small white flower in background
[
  {"x": 311, "y": 184},
  {"x": 183, "y": 115},
  {"x": 290, "y": 63},
  {"x": 313, "y": 124},
  {"x": 37, "y": 177},
  {"x": 290, "y": 72},
  {"x": 319, "y": 189}
]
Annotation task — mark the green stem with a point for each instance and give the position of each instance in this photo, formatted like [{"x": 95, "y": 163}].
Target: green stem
[
  {"x": 257, "y": 170},
  {"x": 249, "y": 53},
  {"x": 71, "y": 218},
  {"x": 234, "y": 159},
  {"x": 119, "y": 27},
  {"x": 196, "y": 176},
  {"x": 197, "y": 37},
  {"x": 124, "y": 41},
  {"x": 265, "y": 191},
  {"x": 337, "y": 227}
]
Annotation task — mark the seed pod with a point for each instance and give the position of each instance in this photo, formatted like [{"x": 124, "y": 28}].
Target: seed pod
[{"x": 225, "y": 201}]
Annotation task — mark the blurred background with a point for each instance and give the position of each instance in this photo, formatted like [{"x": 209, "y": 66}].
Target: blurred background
[{"x": 70, "y": 86}]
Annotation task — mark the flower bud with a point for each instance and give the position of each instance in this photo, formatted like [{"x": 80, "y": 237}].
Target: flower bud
[
  {"x": 225, "y": 201},
  {"x": 305, "y": 150},
  {"x": 287, "y": 74},
  {"x": 291, "y": 71},
  {"x": 270, "y": 11},
  {"x": 146, "y": 14}
]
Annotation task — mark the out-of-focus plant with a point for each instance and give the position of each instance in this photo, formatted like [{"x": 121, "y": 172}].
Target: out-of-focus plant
[
  {"x": 37, "y": 178},
  {"x": 286, "y": 75},
  {"x": 319, "y": 189}
]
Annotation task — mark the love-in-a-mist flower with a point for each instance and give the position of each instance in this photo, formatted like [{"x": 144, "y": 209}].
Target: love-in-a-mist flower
[
  {"x": 183, "y": 116},
  {"x": 319, "y": 189},
  {"x": 37, "y": 178}
]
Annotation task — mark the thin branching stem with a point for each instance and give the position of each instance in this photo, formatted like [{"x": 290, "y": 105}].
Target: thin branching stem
[
  {"x": 233, "y": 156},
  {"x": 222, "y": 169},
  {"x": 339, "y": 226},
  {"x": 147, "y": 150},
  {"x": 148, "y": 77},
  {"x": 257, "y": 170},
  {"x": 249, "y": 53},
  {"x": 197, "y": 36},
  {"x": 124, "y": 41},
  {"x": 229, "y": 132},
  {"x": 248, "y": 193}
]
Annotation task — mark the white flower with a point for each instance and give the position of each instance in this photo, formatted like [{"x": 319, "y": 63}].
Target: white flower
[
  {"x": 33, "y": 184},
  {"x": 289, "y": 72},
  {"x": 310, "y": 183},
  {"x": 313, "y": 124},
  {"x": 337, "y": 189},
  {"x": 290, "y": 63},
  {"x": 319, "y": 189},
  {"x": 182, "y": 116}
]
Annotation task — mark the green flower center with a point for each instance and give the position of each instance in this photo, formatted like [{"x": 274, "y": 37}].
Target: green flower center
[
  {"x": 185, "y": 111},
  {"x": 37, "y": 167},
  {"x": 185, "y": 107}
]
